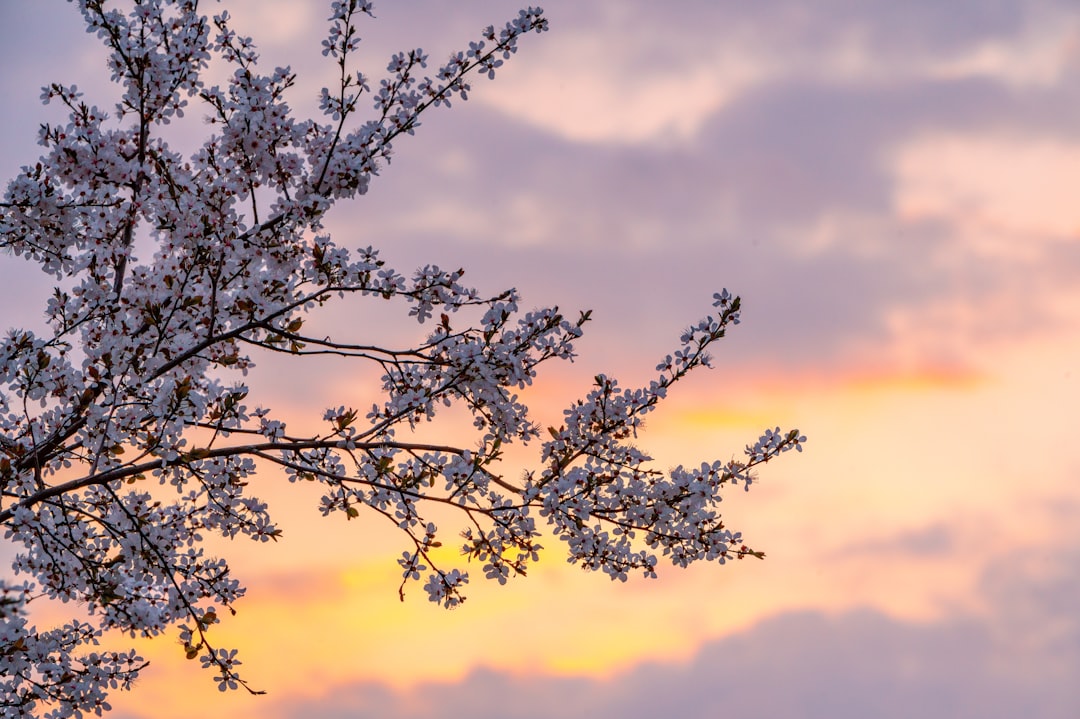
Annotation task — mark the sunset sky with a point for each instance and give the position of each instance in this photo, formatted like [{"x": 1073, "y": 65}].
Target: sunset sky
[{"x": 894, "y": 190}]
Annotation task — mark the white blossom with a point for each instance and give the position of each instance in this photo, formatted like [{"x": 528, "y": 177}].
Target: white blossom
[{"x": 126, "y": 433}]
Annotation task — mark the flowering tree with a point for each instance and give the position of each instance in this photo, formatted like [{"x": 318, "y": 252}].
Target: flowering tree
[{"x": 126, "y": 430}]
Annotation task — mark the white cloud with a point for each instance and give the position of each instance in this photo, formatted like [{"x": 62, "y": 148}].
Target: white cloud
[
  {"x": 580, "y": 88},
  {"x": 994, "y": 185},
  {"x": 1039, "y": 56}
]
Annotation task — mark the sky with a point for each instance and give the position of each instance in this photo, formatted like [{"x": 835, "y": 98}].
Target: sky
[{"x": 890, "y": 187}]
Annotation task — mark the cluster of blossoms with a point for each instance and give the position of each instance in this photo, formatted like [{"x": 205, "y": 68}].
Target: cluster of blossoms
[{"x": 126, "y": 434}]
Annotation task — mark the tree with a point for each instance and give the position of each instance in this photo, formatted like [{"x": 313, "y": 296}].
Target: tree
[{"x": 126, "y": 430}]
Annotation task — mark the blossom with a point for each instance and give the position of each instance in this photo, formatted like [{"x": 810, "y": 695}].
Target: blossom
[{"x": 127, "y": 435}]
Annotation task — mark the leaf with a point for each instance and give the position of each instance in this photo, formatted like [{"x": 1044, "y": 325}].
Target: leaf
[{"x": 345, "y": 419}]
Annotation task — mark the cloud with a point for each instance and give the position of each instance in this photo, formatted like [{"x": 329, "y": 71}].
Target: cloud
[
  {"x": 637, "y": 73},
  {"x": 799, "y": 193},
  {"x": 960, "y": 179}
]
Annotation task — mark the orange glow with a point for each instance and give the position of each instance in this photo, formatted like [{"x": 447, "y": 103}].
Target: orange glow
[{"x": 836, "y": 539}]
